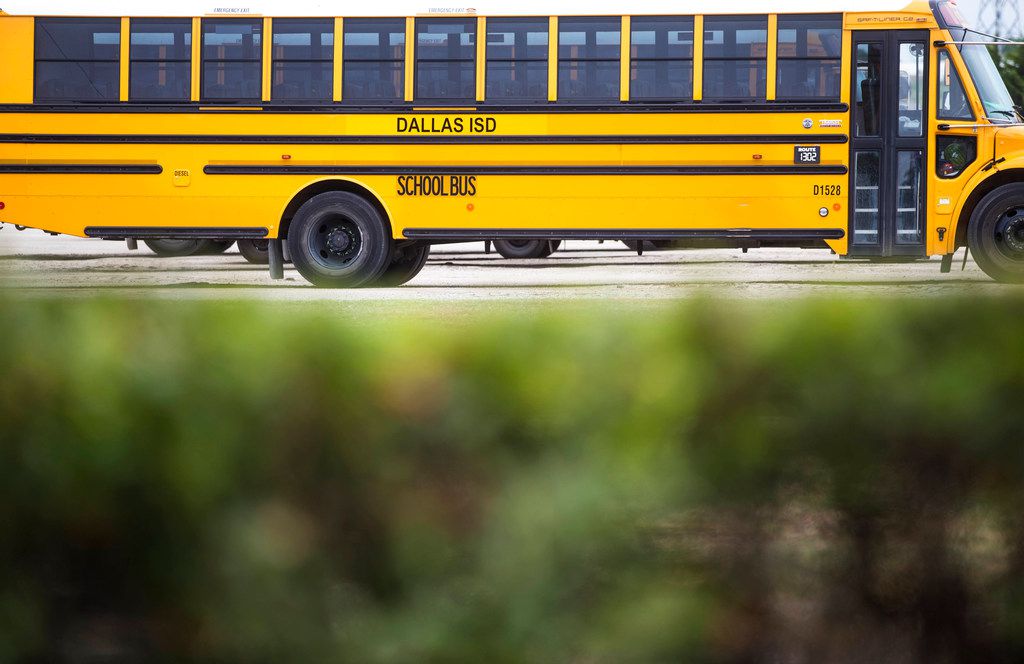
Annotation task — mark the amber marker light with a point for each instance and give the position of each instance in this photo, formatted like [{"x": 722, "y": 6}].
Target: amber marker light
[
  {"x": 837, "y": 207},
  {"x": 286, "y": 157},
  {"x": 470, "y": 207}
]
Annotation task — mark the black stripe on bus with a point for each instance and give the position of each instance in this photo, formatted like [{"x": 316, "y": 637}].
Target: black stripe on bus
[
  {"x": 589, "y": 139},
  {"x": 773, "y": 235},
  {"x": 176, "y": 233},
  {"x": 525, "y": 170},
  {"x": 82, "y": 169},
  {"x": 422, "y": 108}
]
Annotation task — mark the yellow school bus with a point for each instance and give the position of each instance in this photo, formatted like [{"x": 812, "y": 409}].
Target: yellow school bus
[{"x": 879, "y": 130}]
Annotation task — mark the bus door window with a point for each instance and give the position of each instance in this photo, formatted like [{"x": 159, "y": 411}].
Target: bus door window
[
  {"x": 912, "y": 86},
  {"x": 869, "y": 89}
]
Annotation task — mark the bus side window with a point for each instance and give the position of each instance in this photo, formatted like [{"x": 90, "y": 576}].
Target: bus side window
[
  {"x": 517, "y": 59},
  {"x": 161, "y": 60},
  {"x": 588, "y": 59},
  {"x": 735, "y": 58},
  {"x": 661, "y": 51},
  {"x": 809, "y": 57},
  {"x": 953, "y": 103},
  {"x": 78, "y": 59},
  {"x": 303, "y": 60},
  {"x": 374, "y": 60},
  {"x": 232, "y": 60},
  {"x": 446, "y": 60}
]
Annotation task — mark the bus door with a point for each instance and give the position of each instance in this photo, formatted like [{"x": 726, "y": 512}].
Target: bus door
[{"x": 889, "y": 143}]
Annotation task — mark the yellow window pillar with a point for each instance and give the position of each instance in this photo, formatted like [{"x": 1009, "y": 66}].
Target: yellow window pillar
[
  {"x": 481, "y": 59},
  {"x": 698, "y": 58},
  {"x": 410, "y": 59},
  {"x": 268, "y": 71},
  {"x": 126, "y": 36},
  {"x": 197, "y": 57},
  {"x": 553, "y": 58},
  {"x": 773, "y": 56},
  {"x": 624, "y": 58},
  {"x": 339, "y": 54}
]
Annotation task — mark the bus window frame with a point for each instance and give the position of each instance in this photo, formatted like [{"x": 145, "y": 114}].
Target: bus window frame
[
  {"x": 259, "y": 60},
  {"x": 836, "y": 61},
  {"x": 616, "y": 60},
  {"x": 473, "y": 30},
  {"x": 711, "y": 23},
  {"x": 72, "y": 20},
  {"x": 132, "y": 60},
  {"x": 328, "y": 61},
  {"x": 635, "y": 59},
  {"x": 544, "y": 25}
]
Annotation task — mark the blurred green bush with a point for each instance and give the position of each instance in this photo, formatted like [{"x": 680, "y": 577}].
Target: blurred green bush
[{"x": 735, "y": 483}]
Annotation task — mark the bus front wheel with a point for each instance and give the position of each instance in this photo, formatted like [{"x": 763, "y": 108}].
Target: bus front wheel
[
  {"x": 339, "y": 240},
  {"x": 256, "y": 252},
  {"x": 996, "y": 234}
]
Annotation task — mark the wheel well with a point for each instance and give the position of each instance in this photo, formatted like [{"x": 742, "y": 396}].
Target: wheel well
[
  {"x": 323, "y": 187},
  {"x": 981, "y": 191}
]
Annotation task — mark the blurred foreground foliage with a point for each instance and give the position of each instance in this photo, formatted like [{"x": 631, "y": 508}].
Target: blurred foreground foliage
[{"x": 734, "y": 483}]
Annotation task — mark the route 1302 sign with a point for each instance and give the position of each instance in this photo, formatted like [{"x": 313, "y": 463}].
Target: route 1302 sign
[{"x": 807, "y": 154}]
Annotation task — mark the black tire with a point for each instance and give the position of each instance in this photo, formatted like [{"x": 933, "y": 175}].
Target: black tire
[
  {"x": 256, "y": 252},
  {"x": 996, "y": 234},
  {"x": 214, "y": 247},
  {"x": 521, "y": 249},
  {"x": 407, "y": 262},
  {"x": 174, "y": 248},
  {"x": 339, "y": 240}
]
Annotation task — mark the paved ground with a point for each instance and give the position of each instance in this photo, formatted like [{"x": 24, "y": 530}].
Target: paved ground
[{"x": 34, "y": 263}]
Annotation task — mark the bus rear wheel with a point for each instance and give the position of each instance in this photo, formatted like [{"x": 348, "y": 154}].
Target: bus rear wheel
[
  {"x": 173, "y": 248},
  {"x": 214, "y": 247},
  {"x": 996, "y": 234},
  {"x": 407, "y": 262},
  {"x": 256, "y": 252},
  {"x": 339, "y": 240},
  {"x": 513, "y": 249}
]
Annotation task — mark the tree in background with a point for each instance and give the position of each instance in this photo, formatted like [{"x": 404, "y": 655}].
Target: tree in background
[{"x": 1010, "y": 60}]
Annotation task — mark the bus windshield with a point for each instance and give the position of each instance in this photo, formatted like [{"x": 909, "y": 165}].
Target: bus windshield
[{"x": 994, "y": 95}]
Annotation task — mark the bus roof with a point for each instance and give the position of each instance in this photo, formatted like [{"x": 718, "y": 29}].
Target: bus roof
[{"x": 402, "y": 8}]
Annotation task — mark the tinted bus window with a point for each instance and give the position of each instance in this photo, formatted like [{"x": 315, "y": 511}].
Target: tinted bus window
[
  {"x": 303, "y": 59},
  {"x": 77, "y": 59},
  {"x": 446, "y": 59},
  {"x": 588, "y": 59},
  {"x": 161, "y": 60},
  {"x": 809, "y": 52},
  {"x": 661, "y": 64},
  {"x": 952, "y": 103},
  {"x": 232, "y": 59},
  {"x": 735, "y": 58},
  {"x": 517, "y": 59},
  {"x": 374, "y": 60}
]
